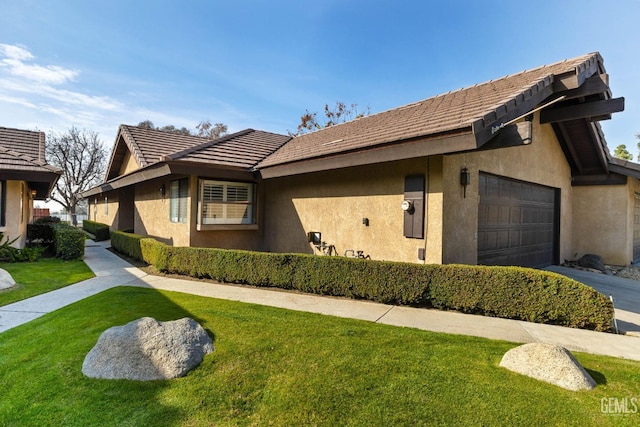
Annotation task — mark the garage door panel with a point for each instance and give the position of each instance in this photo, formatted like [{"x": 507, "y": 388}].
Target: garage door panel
[{"x": 516, "y": 223}]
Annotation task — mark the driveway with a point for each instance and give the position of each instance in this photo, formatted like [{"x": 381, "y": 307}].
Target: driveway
[{"x": 625, "y": 292}]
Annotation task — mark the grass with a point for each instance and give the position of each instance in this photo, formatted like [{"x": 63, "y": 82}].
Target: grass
[
  {"x": 278, "y": 367},
  {"x": 44, "y": 275}
]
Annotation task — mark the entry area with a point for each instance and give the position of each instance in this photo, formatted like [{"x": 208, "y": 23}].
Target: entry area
[{"x": 517, "y": 223}]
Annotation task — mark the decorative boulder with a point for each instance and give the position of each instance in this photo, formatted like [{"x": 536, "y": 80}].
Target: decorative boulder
[
  {"x": 549, "y": 363},
  {"x": 594, "y": 262},
  {"x": 146, "y": 349},
  {"x": 6, "y": 281}
]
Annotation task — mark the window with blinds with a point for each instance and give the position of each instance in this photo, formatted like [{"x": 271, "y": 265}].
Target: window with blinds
[
  {"x": 225, "y": 202},
  {"x": 178, "y": 193}
]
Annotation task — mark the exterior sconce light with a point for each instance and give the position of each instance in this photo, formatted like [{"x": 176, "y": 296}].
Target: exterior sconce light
[
  {"x": 365, "y": 221},
  {"x": 162, "y": 191},
  {"x": 465, "y": 179},
  {"x": 33, "y": 194}
]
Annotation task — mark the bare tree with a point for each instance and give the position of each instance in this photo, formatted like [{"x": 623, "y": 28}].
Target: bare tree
[
  {"x": 82, "y": 157},
  {"x": 332, "y": 116},
  {"x": 212, "y": 131}
]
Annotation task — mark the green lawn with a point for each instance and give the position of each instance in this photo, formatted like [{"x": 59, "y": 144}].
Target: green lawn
[
  {"x": 44, "y": 275},
  {"x": 278, "y": 367}
]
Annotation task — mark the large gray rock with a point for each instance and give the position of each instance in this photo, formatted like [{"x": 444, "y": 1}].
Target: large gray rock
[
  {"x": 6, "y": 281},
  {"x": 146, "y": 349},
  {"x": 549, "y": 363}
]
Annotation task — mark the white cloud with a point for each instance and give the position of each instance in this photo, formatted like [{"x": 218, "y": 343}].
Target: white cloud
[{"x": 17, "y": 63}]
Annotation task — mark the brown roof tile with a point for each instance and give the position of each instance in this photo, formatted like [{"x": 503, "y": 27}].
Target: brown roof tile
[
  {"x": 455, "y": 111},
  {"x": 242, "y": 149},
  {"x": 23, "y": 150}
]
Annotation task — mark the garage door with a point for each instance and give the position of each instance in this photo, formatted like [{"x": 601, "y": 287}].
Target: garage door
[
  {"x": 636, "y": 229},
  {"x": 517, "y": 223}
]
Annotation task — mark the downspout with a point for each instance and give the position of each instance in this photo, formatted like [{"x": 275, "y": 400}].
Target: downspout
[{"x": 426, "y": 211}]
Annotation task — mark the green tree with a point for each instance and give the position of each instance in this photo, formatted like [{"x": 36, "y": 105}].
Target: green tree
[
  {"x": 332, "y": 116},
  {"x": 83, "y": 159},
  {"x": 622, "y": 153}
]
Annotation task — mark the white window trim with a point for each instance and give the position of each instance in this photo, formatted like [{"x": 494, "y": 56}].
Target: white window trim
[{"x": 224, "y": 223}]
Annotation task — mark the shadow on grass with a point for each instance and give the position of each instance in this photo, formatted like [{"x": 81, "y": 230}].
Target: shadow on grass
[
  {"x": 41, "y": 365},
  {"x": 598, "y": 377}
]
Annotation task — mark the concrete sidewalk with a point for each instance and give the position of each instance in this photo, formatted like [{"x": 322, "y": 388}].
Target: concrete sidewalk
[{"x": 112, "y": 271}]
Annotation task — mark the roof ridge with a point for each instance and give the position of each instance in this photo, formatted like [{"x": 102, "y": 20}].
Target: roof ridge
[{"x": 206, "y": 144}]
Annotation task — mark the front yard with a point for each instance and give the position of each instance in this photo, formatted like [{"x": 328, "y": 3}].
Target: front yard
[
  {"x": 278, "y": 367},
  {"x": 44, "y": 275}
]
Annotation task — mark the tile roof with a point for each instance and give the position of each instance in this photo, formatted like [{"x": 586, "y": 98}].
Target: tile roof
[
  {"x": 23, "y": 150},
  {"x": 150, "y": 146},
  {"x": 456, "y": 111},
  {"x": 243, "y": 149}
]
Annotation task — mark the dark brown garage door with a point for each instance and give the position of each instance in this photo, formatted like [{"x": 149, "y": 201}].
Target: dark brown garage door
[
  {"x": 636, "y": 229},
  {"x": 517, "y": 223}
]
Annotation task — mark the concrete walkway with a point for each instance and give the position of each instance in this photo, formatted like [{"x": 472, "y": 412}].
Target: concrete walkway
[{"x": 112, "y": 271}]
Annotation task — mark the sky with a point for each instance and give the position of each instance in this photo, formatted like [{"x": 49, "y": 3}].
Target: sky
[{"x": 261, "y": 64}]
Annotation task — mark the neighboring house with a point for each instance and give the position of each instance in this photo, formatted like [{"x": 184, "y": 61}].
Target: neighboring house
[
  {"x": 24, "y": 177},
  {"x": 514, "y": 171}
]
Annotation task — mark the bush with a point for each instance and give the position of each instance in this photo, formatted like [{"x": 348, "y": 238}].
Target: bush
[
  {"x": 127, "y": 243},
  {"x": 99, "y": 230},
  {"x": 509, "y": 292},
  {"x": 68, "y": 242}
]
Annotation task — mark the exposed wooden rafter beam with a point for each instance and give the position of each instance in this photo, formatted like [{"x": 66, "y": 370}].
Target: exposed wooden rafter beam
[
  {"x": 598, "y": 83},
  {"x": 513, "y": 135},
  {"x": 582, "y": 111},
  {"x": 568, "y": 147}
]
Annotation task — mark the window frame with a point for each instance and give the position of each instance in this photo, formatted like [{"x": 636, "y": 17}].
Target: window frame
[
  {"x": 179, "y": 200},
  {"x": 227, "y": 222}
]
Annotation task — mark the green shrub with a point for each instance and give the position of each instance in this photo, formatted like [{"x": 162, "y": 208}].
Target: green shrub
[
  {"x": 98, "y": 229},
  {"x": 509, "y": 292},
  {"x": 127, "y": 243},
  {"x": 68, "y": 242}
]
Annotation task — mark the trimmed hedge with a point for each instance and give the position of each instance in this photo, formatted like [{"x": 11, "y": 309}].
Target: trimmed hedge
[
  {"x": 98, "y": 229},
  {"x": 68, "y": 242},
  {"x": 127, "y": 243},
  {"x": 509, "y": 292}
]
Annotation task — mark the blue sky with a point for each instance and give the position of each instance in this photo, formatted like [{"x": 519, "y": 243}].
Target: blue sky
[{"x": 261, "y": 64}]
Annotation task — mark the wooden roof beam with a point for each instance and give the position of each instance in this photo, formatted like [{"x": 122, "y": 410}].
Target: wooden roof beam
[
  {"x": 585, "y": 110},
  {"x": 596, "y": 84}
]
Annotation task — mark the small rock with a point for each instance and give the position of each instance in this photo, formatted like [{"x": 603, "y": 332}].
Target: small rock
[
  {"x": 6, "y": 281},
  {"x": 591, "y": 261},
  {"x": 549, "y": 363},
  {"x": 146, "y": 349}
]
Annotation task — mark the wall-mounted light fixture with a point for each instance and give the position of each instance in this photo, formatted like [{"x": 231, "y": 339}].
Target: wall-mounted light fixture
[
  {"x": 34, "y": 193},
  {"x": 365, "y": 221},
  {"x": 314, "y": 237},
  {"x": 162, "y": 190},
  {"x": 465, "y": 179}
]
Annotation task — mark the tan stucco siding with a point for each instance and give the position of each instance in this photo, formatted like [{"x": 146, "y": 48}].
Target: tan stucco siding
[
  {"x": 601, "y": 223},
  {"x": 104, "y": 209},
  {"x": 129, "y": 164},
  {"x": 18, "y": 211},
  {"x": 152, "y": 213},
  {"x": 335, "y": 204},
  {"x": 542, "y": 162}
]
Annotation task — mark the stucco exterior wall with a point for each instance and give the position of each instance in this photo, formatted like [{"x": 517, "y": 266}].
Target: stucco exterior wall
[
  {"x": 541, "y": 162},
  {"x": 151, "y": 213},
  {"x": 335, "y": 203},
  {"x": 18, "y": 211},
  {"x": 104, "y": 209},
  {"x": 129, "y": 164},
  {"x": 603, "y": 222}
]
